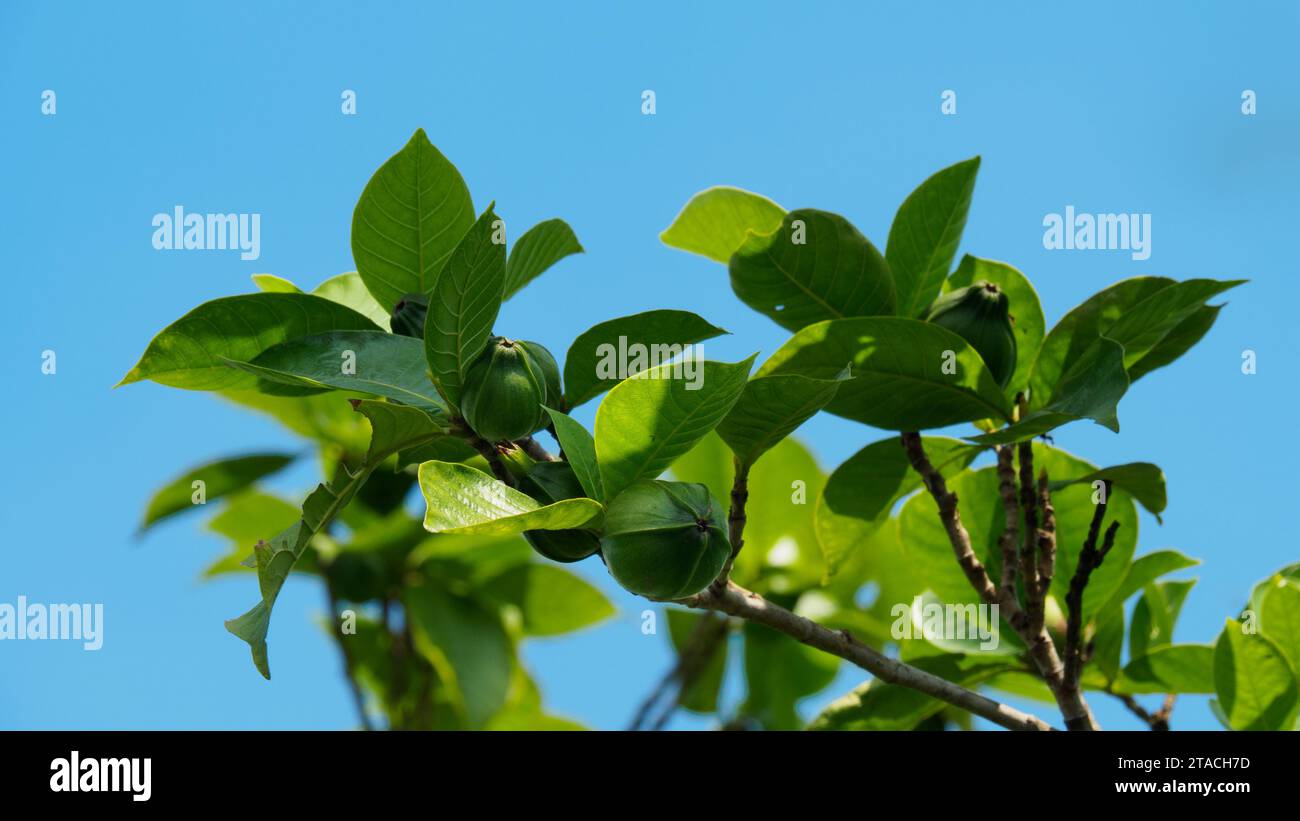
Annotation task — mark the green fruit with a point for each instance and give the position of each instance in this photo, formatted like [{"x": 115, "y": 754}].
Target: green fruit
[
  {"x": 552, "y": 373},
  {"x": 979, "y": 315},
  {"x": 665, "y": 540},
  {"x": 504, "y": 391},
  {"x": 408, "y": 315},
  {"x": 549, "y": 482}
]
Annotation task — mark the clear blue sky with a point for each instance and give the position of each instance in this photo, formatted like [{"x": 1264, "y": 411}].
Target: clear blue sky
[{"x": 235, "y": 107}]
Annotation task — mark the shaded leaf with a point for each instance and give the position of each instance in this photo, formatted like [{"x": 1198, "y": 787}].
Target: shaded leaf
[
  {"x": 926, "y": 231},
  {"x": 221, "y": 477},
  {"x": 1026, "y": 312},
  {"x": 607, "y": 353},
  {"x": 579, "y": 449},
  {"x": 1253, "y": 679},
  {"x": 191, "y": 353},
  {"x": 898, "y": 368},
  {"x": 701, "y": 696},
  {"x": 1143, "y": 480},
  {"x": 648, "y": 421},
  {"x": 816, "y": 266},
  {"x": 1171, "y": 668},
  {"x": 541, "y": 246},
  {"x": 770, "y": 408}
]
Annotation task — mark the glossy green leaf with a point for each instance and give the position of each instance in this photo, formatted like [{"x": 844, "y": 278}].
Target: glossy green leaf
[
  {"x": 410, "y": 217},
  {"x": 1108, "y": 640},
  {"x": 616, "y": 349},
  {"x": 551, "y": 600},
  {"x": 1254, "y": 681},
  {"x": 191, "y": 353},
  {"x": 1091, "y": 389},
  {"x": 369, "y": 362},
  {"x": 221, "y": 477},
  {"x": 460, "y": 499},
  {"x": 1026, "y": 312},
  {"x": 701, "y": 695},
  {"x": 579, "y": 449},
  {"x": 348, "y": 289},
  {"x": 646, "y": 422},
  {"x": 393, "y": 428},
  {"x": 1171, "y": 668},
  {"x": 717, "y": 221},
  {"x": 541, "y": 246},
  {"x": 862, "y": 491},
  {"x": 467, "y": 645},
  {"x": 1144, "y": 481},
  {"x": 898, "y": 365},
  {"x": 926, "y": 231},
  {"x": 1177, "y": 342},
  {"x": 464, "y": 303},
  {"x": 815, "y": 266},
  {"x": 770, "y": 408}
]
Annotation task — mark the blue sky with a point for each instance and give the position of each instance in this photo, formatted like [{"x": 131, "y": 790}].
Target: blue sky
[{"x": 1114, "y": 107}]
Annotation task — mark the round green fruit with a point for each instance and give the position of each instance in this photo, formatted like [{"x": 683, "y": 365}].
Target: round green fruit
[
  {"x": 504, "y": 391},
  {"x": 551, "y": 371},
  {"x": 665, "y": 540},
  {"x": 408, "y": 315},
  {"x": 980, "y": 314}
]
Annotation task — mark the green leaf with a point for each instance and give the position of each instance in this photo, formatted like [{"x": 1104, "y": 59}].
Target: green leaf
[
  {"x": 770, "y": 408},
  {"x": 410, "y": 217},
  {"x": 348, "y": 289},
  {"x": 394, "y": 427},
  {"x": 862, "y": 492},
  {"x": 1279, "y": 618},
  {"x": 1155, "y": 615},
  {"x": 460, "y": 499},
  {"x": 1146, "y": 569},
  {"x": 616, "y": 349},
  {"x": 876, "y": 705},
  {"x": 464, "y": 304},
  {"x": 191, "y": 353},
  {"x": 647, "y": 421},
  {"x": 717, "y": 221},
  {"x": 1090, "y": 390},
  {"x": 272, "y": 284},
  {"x": 1026, "y": 311},
  {"x": 550, "y": 599},
  {"x": 898, "y": 368},
  {"x": 1171, "y": 668},
  {"x": 466, "y": 644},
  {"x": 579, "y": 449},
  {"x": 247, "y": 519},
  {"x": 222, "y": 477},
  {"x": 1143, "y": 480},
  {"x": 925, "y": 234},
  {"x": 815, "y": 266},
  {"x": 1177, "y": 342},
  {"x": 1108, "y": 640},
  {"x": 702, "y": 694},
  {"x": 1144, "y": 326},
  {"x": 541, "y": 246},
  {"x": 369, "y": 362},
  {"x": 1253, "y": 679}
]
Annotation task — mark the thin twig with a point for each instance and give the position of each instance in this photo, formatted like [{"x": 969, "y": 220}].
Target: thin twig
[
  {"x": 534, "y": 449},
  {"x": 1090, "y": 558},
  {"x": 745, "y": 604},
  {"x": 736, "y": 520},
  {"x": 1010, "y": 538}
]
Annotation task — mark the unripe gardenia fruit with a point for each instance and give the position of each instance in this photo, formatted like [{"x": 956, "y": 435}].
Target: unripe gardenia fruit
[
  {"x": 408, "y": 315},
  {"x": 552, "y": 373},
  {"x": 504, "y": 391},
  {"x": 979, "y": 314},
  {"x": 665, "y": 540}
]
